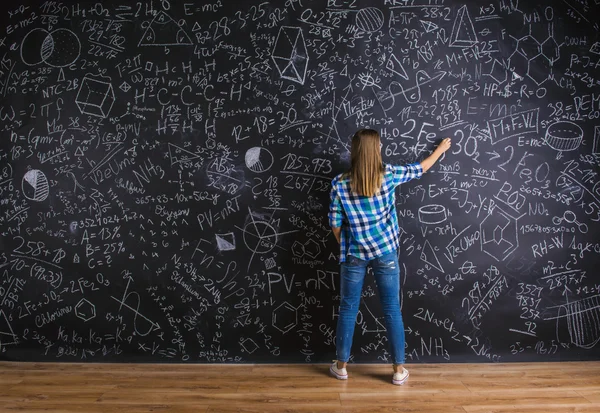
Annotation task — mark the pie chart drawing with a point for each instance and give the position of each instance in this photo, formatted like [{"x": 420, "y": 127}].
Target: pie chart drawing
[
  {"x": 59, "y": 48},
  {"x": 259, "y": 159},
  {"x": 35, "y": 185}
]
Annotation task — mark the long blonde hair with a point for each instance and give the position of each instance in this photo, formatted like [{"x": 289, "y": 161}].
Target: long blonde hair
[{"x": 366, "y": 166}]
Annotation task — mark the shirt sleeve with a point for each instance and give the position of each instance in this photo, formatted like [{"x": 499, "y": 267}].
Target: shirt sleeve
[
  {"x": 335, "y": 207},
  {"x": 404, "y": 173}
]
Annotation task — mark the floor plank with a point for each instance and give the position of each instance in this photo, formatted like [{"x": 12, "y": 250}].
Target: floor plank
[
  {"x": 593, "y": 395},
  {"x": 434, "y": 388}
]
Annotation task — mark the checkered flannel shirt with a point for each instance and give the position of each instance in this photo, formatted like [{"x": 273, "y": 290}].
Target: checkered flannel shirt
[{"x": 369, "y": 224}]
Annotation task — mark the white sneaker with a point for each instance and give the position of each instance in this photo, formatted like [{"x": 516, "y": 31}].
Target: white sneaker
[
  {"x": 340, "y": 374},
  {"x": 400, "y": 378}
]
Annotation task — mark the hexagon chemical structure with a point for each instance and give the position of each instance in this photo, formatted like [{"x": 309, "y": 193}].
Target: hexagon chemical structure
[
  {"x": 499, "y": 234},
  {"x": 310, "y": 248},
  {"x": 298, "y": 249},
  {"x": 536, "y": 69},
  {"x": 528, "y": 46},
  {"x": 85, "y": 310},
  {"x": 551, "y": 50},
  {"x": 531, "y": 56},
  {"x": 518, "y": 64},
  {"x": 498, "y": 72},
  {"x": 285, "y": 317}
]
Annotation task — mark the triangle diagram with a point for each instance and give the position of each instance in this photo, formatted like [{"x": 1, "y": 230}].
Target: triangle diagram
[
  {"x": 286, "y": 44},
  {"x": 463, "y": 32},
  {"x": 378, "y": 327},
  {"x": 225, "y": 242},
  {"x": 7, "y": 336},
  {"x": 429, "y": 26},
  {"x": 281, "y": 63},
  {"x": 61, "y": 75},
  {"x": 595, "y": 48},
  {"x": 288, "y": 70},
  {"x": 164, "y": 31},
  {"x": 299, "y": 50},
  {"x": 429, "y": 256},
  {"x": 394, "y": 65},
  {"x": 180, "y": 155}
]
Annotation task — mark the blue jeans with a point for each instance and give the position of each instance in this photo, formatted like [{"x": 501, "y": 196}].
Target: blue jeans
[{"x": 387, "y": 276}]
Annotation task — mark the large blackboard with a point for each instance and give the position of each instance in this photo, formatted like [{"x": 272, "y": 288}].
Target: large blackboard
[{"x": 165, "y": 174}]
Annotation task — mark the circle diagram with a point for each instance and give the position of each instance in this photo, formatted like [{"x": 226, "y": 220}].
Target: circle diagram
[
  {"x": 258, "y": 159},
  {"x": 564, "y": 136},
  {"x": 369, "y": 19},
  {"x": 260, "y": 237},
  {"x": 35, "y": 185},
  {"x": 31, "y": 47},
  {"x": 59, "y": 48}
]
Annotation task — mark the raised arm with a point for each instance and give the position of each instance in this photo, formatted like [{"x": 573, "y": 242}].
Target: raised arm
[{"x": 439, "y": 151}]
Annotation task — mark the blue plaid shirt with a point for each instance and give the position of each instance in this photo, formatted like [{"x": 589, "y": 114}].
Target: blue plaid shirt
[{"x": 369, "y": 224}]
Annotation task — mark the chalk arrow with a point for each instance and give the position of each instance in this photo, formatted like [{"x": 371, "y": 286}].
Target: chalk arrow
[{"x": 494, "y": 154}]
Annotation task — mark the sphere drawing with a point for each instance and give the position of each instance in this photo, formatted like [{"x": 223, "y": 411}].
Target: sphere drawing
[
  {"x": 369, "y": 19},
  {"x": 35, "y": 185}
]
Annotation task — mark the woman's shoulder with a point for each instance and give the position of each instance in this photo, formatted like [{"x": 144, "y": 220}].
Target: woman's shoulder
[
  {"x": 344, "y": 176},
  {"x": 390, "y": 173}
]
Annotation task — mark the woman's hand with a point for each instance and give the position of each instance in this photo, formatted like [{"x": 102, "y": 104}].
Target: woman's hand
[
  {"x": 439, "y": 151},
  {"x": 444, "y": 145}
]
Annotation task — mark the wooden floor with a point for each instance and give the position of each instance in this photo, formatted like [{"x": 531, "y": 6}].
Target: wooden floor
[{"x": 447, "y": 388}]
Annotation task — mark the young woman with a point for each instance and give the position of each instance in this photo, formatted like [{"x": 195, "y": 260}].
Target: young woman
[{"x": 363, "y": 218}]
